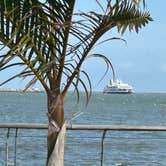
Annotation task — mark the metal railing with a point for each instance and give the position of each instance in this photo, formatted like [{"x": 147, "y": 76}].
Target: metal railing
[{"x": 97, "y": 137}]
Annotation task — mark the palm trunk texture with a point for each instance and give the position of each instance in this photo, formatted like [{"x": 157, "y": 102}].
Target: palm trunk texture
[{"x": 56, "y": 131}]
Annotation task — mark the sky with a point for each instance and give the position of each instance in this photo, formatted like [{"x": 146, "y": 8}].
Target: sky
[{"x": 141, "y": 62}]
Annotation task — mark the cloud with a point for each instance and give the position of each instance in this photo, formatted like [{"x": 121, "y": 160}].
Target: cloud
[{"x": 126, "y": 65}]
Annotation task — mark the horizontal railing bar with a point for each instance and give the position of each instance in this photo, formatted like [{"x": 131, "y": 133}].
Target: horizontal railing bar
[
  {"x": 85, "y": 127},
  {"x": 117, "y": 127},
  {"x": 24, "y": 125}
]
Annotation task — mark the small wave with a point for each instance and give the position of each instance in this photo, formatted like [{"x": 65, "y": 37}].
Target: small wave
[
  {"x": 164, "y": 105},
  {"x": 121, "y": 164}
]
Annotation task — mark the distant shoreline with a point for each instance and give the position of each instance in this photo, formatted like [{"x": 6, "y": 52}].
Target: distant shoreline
[{"x": 19, "y": 90}]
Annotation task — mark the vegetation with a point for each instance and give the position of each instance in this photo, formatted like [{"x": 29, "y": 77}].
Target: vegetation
[{"x": 35, "y": 34}]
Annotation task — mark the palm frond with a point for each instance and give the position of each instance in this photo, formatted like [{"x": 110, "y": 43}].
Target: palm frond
[
  {"x": 108, "y": 65},
  {"x": 112, "y": 38},
  {"x": 130, "y": 17},
  {"x": 37, "y": 32}
]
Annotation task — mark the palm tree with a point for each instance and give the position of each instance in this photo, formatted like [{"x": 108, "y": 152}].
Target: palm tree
[{"x": 37, "y": 34}]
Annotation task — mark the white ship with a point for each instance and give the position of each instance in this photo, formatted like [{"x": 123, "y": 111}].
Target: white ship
[{"x": 117, "y": 86}]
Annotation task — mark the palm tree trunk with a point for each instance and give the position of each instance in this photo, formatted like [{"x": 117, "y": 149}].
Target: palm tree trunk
[{"x": 56, "y": 130}]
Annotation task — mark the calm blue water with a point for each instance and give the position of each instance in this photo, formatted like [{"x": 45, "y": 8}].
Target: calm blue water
[{"x": 121, "y": 148}]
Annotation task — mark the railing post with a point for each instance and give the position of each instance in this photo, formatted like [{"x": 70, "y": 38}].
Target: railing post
[
  {"x": 15, "y": 148},
  {"x": 7, "y": 148},
  {"x": 102, "y": 147}
]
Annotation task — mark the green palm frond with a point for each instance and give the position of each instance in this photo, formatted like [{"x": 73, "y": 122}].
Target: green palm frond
[
  {"x": 37, "y": 32},
  {"x": 129, "y": 17}
]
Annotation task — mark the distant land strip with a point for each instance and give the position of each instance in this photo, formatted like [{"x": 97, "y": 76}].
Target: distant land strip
[{"x": 19, "y": 90}]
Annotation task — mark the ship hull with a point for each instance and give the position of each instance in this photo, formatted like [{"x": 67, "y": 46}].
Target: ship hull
[{"x": 117, "y": 92}]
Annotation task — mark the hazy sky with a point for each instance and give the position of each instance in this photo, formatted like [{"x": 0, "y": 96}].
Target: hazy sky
[{"x": 141, "y": 63}]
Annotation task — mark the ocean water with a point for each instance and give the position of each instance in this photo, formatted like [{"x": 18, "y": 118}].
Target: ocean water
[{"x": 84, "y": 148}]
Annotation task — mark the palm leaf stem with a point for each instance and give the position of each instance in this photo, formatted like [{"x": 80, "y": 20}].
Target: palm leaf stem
[{"x": 66, "y": 36}]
